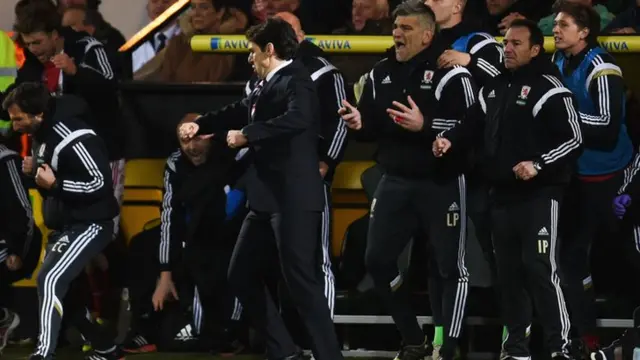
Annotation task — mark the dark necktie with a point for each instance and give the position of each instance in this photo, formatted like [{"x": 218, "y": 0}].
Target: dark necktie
[
  {"x": 161, "y": 42},
  {"x": 255, "y": 95}
]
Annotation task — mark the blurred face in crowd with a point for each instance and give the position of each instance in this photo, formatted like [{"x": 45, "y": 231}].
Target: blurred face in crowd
[
  {"x": 267, "y": 8},
  {"x": 361, "y": 11},
  {"x": 204, "y": 16},
  {"x": 566, "y": 33},
  {"x": 74, "y": 18},
  {"x": 294, "y": 22},
  {"x": 411, "y": 35},
  {"x": 262, "y": 61},
  {"x": 497, "y": 7},
  {"x": 581, "y": 2},
  {"x": 156, "y": 7},
  {"x": 41, "y": 44},
  {"x": 68, "y": 3},
  {"x": 23, "y": 122},
  {"x": 196, "y": 149},
  {"x": 517, "y": 48},
  {"x": 445, "y": 9}
]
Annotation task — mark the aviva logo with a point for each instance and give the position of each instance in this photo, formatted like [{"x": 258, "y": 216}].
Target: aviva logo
[
  {"x": 330, "y": 44},
  {"x": 226, "y": 44}
]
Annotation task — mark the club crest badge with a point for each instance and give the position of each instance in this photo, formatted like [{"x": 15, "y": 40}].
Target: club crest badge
[
  {"x": 427, "y": 79},
  {"x": 524, "y": 94}
]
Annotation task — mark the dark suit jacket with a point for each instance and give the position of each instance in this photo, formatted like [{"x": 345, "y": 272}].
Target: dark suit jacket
[{"x": 283, "y": 141}]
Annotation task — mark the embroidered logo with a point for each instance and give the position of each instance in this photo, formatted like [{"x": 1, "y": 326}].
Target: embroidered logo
[{"x": 524, "y": 94}]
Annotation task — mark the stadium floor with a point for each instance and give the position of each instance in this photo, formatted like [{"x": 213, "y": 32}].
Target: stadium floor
[{"x": 22, "y": 354}]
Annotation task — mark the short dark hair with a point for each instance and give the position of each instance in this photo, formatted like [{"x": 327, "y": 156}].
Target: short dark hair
[
  {"x": 35, "y": 16},
  {"x": 416, "y": 8},
  {"x": 30, "y": 97},
  {"x": 535, "y": 34},
  {"x": 584, "y": 16},
  {"x": 277, "y": 32}
]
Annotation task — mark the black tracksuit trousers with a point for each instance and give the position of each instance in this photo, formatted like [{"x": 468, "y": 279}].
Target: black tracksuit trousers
[
  {"x": 68, "y": 253},
  {"x": 401, "y": 206},
  {"x": 525, "y": 239},
  {"x": 587, "y": 213}
]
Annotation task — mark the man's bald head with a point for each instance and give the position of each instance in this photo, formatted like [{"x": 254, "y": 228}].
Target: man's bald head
[{"x": 294, "y": 22}]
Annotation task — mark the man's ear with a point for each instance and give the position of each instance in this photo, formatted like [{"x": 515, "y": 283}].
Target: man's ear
[
  {"x": 427, "y": 36},
  {"x": 535, "y": 50},
  {"x": 270, "y": 49}
]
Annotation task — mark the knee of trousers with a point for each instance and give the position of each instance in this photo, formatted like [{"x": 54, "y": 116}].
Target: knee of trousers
[
  {"x": 42, "y": 277},
  {"x": 382, "y": 268}
]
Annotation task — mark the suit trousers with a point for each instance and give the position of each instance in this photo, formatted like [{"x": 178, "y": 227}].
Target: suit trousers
[
  {"x": 299, "y": 249},
  {"x": 525, "y": 239},
  {"x": 399, "y": 208}
]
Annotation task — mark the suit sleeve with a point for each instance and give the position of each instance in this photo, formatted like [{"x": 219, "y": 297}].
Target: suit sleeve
[
  {"x": 15, "y": 201},
  {"x": 298, "y": 117},
  {"x": 89, "y": 165},
  {"x": 172, "y": 220},
  {"x": 366, "y": 106},
  {"x": 331, "y": 91},
  {"x": 95, "y": 68},
  {"x": 230, "y": 117},
  {"x": 559, "y": 115},
  {"x": 606, "y": 89},
  {"x": 487, "y": 60},
  {"x": 456, "y": 101}
]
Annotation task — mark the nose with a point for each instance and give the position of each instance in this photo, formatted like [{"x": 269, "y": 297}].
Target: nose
[
  {"x": 556, "y": 29},
  {"x": 508, "y": 48}
]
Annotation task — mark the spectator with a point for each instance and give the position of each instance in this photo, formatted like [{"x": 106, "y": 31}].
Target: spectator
[
  {"x": 317, "y": 17},
  {"x": 151, "y": 48},
  {"x": 546, "y": 24},
  {"x": 628, "y": 22},
  {"x": 83, "y": 19},
  {"x": 89, "y": 4},
  {"x": 503, "y": 12},
  {"x": 368, "y": 17},
  {"x": 183, "y": 65}
]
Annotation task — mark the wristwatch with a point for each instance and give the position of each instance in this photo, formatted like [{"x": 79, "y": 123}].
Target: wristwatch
[{"x": 536, "y": 165}]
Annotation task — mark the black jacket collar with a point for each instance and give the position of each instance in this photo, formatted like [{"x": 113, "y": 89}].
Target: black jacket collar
[
  {"x": 572, "y": 62},
  {"x": 48, "y": 121},
  {"x": 450, "y": 35},
  {"x": 309, "y": 49}
]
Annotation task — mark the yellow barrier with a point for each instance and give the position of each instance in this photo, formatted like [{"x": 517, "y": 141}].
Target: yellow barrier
[{"x": 374, "y": 44}]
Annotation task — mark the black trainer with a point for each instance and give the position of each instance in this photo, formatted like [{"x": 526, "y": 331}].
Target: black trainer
[{"x": 414, "y": 352}]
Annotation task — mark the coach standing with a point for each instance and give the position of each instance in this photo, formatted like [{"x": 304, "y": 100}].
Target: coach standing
[
  {"x": 407, "y": 100},
  {"x": 531, "y": 140},
  {"x": 284, "y": 190}
]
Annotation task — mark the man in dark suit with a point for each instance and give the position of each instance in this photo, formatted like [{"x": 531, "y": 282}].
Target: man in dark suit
[{"x": 284, "y": 190}]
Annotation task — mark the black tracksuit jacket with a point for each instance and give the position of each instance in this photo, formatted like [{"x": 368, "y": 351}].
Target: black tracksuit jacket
[
  {"x": 524, "y": 115},
  {"x": 444, "y": 96}
]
